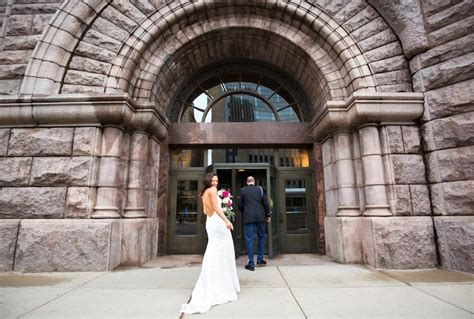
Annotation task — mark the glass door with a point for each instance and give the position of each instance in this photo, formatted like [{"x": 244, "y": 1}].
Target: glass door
[
  {"x": 297, "y": 215},
  {"x": 227, "y": 181},
  {"x": 185, "y": 220}
]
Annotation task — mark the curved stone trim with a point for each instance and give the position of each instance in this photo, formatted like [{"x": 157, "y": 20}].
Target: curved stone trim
[
  {"x": 365, "y": 108},
  {"x": 96, "y": 40},
  {"x": 48, "y": 63},
  {"x": 64, "y": 109},
  {"x": 328, "y": 47}
]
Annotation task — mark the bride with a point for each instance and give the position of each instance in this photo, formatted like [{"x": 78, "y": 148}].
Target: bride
[{"x": 218, "y": 282}]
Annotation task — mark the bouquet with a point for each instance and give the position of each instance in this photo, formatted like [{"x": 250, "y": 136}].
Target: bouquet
[{"x": 226, "y": 203}]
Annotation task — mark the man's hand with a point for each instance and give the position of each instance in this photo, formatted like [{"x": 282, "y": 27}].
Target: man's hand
[{"x": 268, "y": 220}]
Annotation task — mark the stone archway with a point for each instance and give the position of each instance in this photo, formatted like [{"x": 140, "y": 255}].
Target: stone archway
[{"x": 127, "y": 60}]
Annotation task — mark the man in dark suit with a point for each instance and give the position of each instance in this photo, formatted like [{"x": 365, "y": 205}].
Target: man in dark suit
[{"x": 256, "y": 213}]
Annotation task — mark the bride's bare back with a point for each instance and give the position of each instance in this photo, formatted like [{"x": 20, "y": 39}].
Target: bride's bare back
[{"x": 209, "y": 201}]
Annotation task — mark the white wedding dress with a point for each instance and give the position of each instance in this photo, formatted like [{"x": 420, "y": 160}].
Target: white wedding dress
[{"x": 218, "y": 282}]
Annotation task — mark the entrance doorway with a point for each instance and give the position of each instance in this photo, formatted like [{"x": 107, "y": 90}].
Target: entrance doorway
[{"x": 293, "y": 216}]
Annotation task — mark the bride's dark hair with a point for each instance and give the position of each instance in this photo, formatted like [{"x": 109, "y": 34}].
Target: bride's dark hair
[{"x": 207, "y": 182}]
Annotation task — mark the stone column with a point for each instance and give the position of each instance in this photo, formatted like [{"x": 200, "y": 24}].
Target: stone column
[
  {"x": 137, "y": 176},
  {"x": 153, "y": 178},
  {"x": 376, "y": 203},
  {"x": 346, "y": 186},
  {"x": 108, "y": 191}
]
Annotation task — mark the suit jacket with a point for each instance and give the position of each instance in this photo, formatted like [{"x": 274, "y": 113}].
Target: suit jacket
[{"x": 253, "y": 204}]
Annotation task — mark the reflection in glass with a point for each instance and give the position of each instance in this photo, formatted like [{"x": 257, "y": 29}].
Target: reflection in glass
[
  {"x": 234, "y": 155},
  {"x": 294, "y": 157},
  {"x": 240, "y": 108},
  {"x": 186, "y": 207},
  {"x": 295, "y": 199},
  {"x": 180, "y": 158},
  {"x": 244, "y": 100}
]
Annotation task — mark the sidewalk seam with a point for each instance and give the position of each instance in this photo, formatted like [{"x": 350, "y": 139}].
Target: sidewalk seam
[
  {"x": 291, "y": 291},
  {"x": 420, "y": 290}
]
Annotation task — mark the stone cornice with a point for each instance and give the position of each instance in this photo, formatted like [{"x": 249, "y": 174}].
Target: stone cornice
[
  {"x": 365, "y": 108},
  {"x": 82, "y": 110}
]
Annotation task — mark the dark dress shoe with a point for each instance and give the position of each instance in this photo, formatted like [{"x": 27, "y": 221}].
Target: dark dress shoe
[
  {"x": 261, "y": 263},
  {"x": 250, "y": 267}
]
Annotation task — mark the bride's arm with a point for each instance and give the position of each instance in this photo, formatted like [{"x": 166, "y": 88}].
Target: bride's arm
[{"x": 217, "y": 209}]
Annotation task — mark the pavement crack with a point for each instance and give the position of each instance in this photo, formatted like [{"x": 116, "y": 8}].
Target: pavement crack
[{"x": 292, "y": 293}]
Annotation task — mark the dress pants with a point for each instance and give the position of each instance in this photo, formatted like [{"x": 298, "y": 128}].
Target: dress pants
[{"x": 249, "y": 232}]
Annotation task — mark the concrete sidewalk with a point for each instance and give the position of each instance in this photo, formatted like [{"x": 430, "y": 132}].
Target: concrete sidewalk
[{"x": 291, "y": 286}]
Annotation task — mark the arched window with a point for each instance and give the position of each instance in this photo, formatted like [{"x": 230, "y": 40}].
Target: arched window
[{"x": 239, "y": 97}]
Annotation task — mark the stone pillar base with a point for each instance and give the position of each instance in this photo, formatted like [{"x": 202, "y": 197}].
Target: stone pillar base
[
  {"x": 49, "y": 245},
  {"x": 399, "y": 242},
  {"x": 343, "y": 239},
  {"x": 456, "y": 242},
  {"x": 139, "y": 241},
  {"x": 68, "y": 245}
]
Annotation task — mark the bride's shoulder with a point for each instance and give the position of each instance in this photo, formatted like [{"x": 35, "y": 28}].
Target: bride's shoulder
[{"x": 211, "y": 190}]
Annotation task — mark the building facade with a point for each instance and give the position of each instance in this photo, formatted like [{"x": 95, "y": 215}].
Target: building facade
[{"x": 356, "y": 117}]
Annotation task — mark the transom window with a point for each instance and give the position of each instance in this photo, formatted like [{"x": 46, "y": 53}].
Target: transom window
[{"x": 239, "y": 97}]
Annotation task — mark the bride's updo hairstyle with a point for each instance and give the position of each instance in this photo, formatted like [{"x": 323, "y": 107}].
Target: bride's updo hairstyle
[{"x": 207, "y": 182}]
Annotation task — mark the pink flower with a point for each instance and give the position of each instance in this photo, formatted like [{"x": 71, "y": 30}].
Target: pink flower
[{"x": 225, "y": 194}]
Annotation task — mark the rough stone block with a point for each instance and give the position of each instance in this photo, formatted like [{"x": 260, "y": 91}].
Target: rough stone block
[
  {"x": 4, "y": 137},
  {"x": 40, "y": 141},
  {"x": 420, "y": 199},
  {"x": 139, "y": 241},
  {"x": 444, "y": 73},
  {"x": 453, "y": 131},
  {"x": 67, "y": 171},
  {"x": 87, "y": 141},
  {"x": 411, "y": 139},
  {"x": 107, "y": 27},
  {"x": 394, "y": 63},
  {"x": 456, "y": 242},
  {"x": 408, "y": 169},
  {"x": 80, "y": 202},
  {"x": 10, "y": 87},
  {"x": 84, "y": 78},
  {"x": 443, "y": 52},
  {"x": 8, "y": 234},
  {"x": 449, "y": 15},
  {"x": 399, "y": 242},
  {"x": 453, "y": 198},
  {"x": 19, "y": 25},
  {"x": 102, "y": 41},
  {"x": 95, "y": 52},
  {"x": 15, "y": 171},
  {"x": 15, "y": 71},
  {"x": 68, "y": 245},
  {"x": 32, "y": 202},
  {"x": 403, "y": 206},
  {"x": 452, "y": 99},
  {"x": 40, "y": 22},
  {"x": 453, "y": 164},
  {"x": 89, "y": 65},
  {"x": 452, "y": 31},
  {"x": 395, "y": 139},
  {"x": 343, "y": 239}
]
